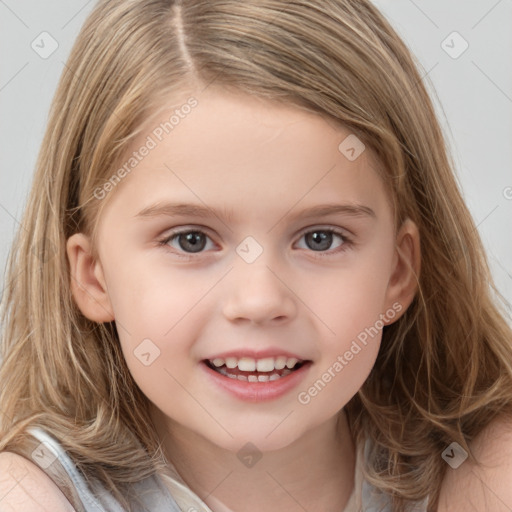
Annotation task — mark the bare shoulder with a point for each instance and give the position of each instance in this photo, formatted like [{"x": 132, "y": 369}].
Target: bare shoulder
[
  {"x": 24, "y": 487},
  {"x": 483, "y": 486}
]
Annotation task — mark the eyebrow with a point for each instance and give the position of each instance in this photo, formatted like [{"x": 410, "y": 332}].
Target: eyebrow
[{"x": 197, "y": 210}]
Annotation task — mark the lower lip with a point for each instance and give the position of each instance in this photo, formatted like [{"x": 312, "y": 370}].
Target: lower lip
[{"x": 257, "y": 391}]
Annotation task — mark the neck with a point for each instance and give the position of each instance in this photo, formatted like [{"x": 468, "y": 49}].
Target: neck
[{"x": 316, "y": 472}]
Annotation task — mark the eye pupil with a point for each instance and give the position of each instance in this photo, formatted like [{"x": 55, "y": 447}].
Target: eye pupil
[
  {"x": 193, "y": 241},
  {"x": 324, "y": 238}
]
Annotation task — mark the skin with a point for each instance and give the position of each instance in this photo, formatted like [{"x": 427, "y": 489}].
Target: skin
[
  {"x": 486, "y": 485},
  {"x": 266, "y": 162},
  {"x": 24, "y": 487}
]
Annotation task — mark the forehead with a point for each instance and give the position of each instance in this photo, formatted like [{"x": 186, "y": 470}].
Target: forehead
[{"x": 247, "y": 151}]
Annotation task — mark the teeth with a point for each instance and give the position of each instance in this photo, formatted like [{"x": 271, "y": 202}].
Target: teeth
[
  {"x": 280, "y": 362},
  {"x": 265, "y": 365},
  {"x": 291, "y": 362},
  {"x": 248, "y": 364},
  {"x": 231, "y": 362},
  {"x": 255, "y": 378}
]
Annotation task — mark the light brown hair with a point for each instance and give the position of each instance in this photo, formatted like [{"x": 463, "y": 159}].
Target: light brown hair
[{"x": 444, "y": 368}]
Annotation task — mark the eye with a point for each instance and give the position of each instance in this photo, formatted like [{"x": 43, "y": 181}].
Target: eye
[
  {"x": 189, "y": 241},
  {"x": 322, "y": 240},
  {"x": 194, "y": 241}
]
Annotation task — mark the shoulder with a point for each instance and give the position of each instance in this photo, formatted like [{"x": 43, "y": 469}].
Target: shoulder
[
  {"x": 485, "y": 485},
  {"x": 24, "y": 487}
]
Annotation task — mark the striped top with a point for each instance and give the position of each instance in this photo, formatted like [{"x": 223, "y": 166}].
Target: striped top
[{"x": 162, "y": 492}]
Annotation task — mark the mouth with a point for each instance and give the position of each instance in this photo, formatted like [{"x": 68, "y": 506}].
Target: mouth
[{"x": 248, "y": 369}]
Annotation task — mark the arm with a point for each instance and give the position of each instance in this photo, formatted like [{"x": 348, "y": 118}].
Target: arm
[
  {"x": 487, "y": 486},
  {"x": 24, "y": 487}
]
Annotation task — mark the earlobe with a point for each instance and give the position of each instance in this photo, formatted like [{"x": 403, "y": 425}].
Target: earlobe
[
  {"x": 403, "y": 283},
  {"x": 87, "y": 280}
]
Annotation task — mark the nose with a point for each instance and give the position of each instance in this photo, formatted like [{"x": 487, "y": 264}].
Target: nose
[{"x": 258, "y": 294}]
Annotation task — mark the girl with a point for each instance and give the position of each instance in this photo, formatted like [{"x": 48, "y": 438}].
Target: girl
[{"x": 246, "y": 279}]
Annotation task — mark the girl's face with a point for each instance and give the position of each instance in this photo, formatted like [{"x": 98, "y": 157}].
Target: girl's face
[{"x": 247, "y": 235}]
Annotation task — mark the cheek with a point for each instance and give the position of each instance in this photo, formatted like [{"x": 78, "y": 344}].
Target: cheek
[
  {"x": 346, "y": 301},
  {"x": 352, "y": 317},
  {"x": 348, "y": 305},
  {"x": 148, "y": 300},
  {"x": 156, "y": 313},
  {"x": 338, "y": 380}
]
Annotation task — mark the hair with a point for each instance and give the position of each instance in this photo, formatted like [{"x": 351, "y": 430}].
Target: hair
[{"x": 444, "y": 369}]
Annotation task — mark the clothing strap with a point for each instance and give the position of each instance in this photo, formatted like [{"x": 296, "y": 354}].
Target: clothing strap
[{"x": 41, "y": 454}]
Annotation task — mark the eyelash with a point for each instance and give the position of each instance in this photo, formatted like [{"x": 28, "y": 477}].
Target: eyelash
[{"x": 346, "y": 244}]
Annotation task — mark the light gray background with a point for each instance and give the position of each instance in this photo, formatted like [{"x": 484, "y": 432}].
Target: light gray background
[{"x": 472, "y": 93}]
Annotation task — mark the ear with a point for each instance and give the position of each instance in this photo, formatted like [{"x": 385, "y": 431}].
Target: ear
[
  {"x": 403, "y": 283},
  {"x": 88, "y": 284}
]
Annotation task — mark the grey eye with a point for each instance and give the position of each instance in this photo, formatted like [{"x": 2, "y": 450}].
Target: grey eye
[
  {"x": 190, "y": 241},
  {"x": 321, "y": 240}
]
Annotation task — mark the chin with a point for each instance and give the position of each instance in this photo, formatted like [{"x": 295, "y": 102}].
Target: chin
[{"x": 260, "y": 437}]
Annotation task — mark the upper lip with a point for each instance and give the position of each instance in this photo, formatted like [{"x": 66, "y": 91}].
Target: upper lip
[{"x": 256, "y": 354}]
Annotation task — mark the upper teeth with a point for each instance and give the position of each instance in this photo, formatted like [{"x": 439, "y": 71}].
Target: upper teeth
[{"x": 248, "y": 364}]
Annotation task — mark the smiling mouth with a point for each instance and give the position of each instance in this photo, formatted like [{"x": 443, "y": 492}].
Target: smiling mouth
[{"x": 254, "y": 375}]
